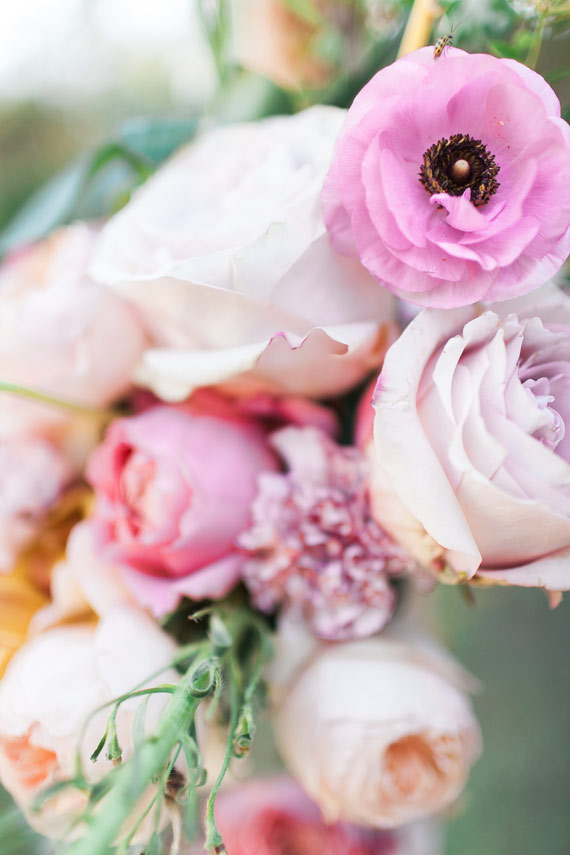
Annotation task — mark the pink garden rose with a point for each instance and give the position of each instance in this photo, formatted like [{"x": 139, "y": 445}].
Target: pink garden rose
[
  {"x": 173, "y": 490},
  {"x": 450, "y": 179},
  {"x": 61, "y": 332},
  {"x": 225, "y": 253},
  {"x": 273, "y": 816},
  {"x": 378, "y": 732},
  {"x": 472, "y": 441},
  {"x": 314, "y": 545}
]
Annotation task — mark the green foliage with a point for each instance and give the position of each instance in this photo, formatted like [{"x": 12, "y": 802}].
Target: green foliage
[
  {"x": 98, "y": 183},
  {"x": 224, "y": 668}
]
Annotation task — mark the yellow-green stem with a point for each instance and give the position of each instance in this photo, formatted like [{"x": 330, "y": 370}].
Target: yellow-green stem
[{"x": 417, "y": 34}]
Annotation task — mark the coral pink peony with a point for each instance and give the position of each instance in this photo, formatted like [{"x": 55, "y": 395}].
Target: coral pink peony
[
  {"x": 61, "y": 332},
  {"x": 173, "y": 492},
  {"x": 225, "y": 253},
  {"x": 314, "y": 544},
  {"x": 472, "y": 438},
  {"x": 273, "y": 816},
  {"x": 450, "y": 179}
]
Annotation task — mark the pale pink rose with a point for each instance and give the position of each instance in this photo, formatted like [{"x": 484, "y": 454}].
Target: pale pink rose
[
  {"x": 32, "y": 475},
  {"x": 51, "y": 686},
  {"x": 314, "y": 545},
  {"x": 273, "y": 816},
  {"x": 471, "y": 449},
  {"x": 449, "y": 179},
  {"x": 173, "y": 490},
  {"x": 225, "y": 253},
  {"x": 378, "y": 732},
  {"x": 60, "y": 332}
]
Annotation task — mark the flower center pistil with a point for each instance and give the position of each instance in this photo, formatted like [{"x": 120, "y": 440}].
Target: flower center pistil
[{"x": 453, "y": 165}]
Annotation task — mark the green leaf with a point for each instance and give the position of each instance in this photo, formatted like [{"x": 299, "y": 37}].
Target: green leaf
[
  {"x": 139, "y": 721},
  {"x": 92, "y": 185},
  {"x": 156, "y": 139},
  {"x": 48, "y": 208}
]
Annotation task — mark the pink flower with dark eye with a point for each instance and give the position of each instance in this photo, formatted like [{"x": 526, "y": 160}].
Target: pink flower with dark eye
[
  {"x": 173, "y": 492},
  {"x": 450, "y": 179},
  {"x": 314, "y": 545}
]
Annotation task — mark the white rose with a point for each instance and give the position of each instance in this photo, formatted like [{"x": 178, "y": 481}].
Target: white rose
[
  {"x": 225, "y": 253},
  {"x": 378, "y": 732},
  {"x": 49, "y": 689}
]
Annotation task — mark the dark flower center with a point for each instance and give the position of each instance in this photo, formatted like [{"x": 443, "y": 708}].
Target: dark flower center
[{"x": 452, "y": 165}]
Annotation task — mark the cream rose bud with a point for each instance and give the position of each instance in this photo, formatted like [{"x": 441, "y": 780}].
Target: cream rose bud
[
  {"x": 51, "y": 686},
  {"x": 472, "y": 446},
  {"x": 61, "y": 332},
  {"x": 225, "y": 253},
  {"x": 378, "y": 732},
  {"x": 33, "y": 472}
]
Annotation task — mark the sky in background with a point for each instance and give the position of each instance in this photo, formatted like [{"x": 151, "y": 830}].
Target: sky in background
[{"x": 67, "y": 51}]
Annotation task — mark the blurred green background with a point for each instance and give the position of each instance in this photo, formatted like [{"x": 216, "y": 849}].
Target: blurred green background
[
  {"x": 56, "y": 102},
  {"x": 518, "y": 798}
]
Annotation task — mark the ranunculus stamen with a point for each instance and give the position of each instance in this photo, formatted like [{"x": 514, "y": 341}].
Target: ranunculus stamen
[{"x": 460, "y": 162}]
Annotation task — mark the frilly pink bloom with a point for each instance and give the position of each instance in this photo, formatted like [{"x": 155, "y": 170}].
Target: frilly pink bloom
[
  {"x": 472, "y": 441},
  {"x": 489, "y": 218},
  {"x": 173, "y": 492},
  {"x": 61, "y": 332},
  {"x": 314, "y": 544},
  {"x": 273, "y": 816}
]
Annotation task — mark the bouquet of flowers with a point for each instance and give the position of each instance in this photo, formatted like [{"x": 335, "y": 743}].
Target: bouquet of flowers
[{"x": 315, "y": 365}]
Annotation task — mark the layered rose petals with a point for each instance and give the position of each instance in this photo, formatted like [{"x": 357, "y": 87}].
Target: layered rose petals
[
  {"x": 225, "y": 253},
  {"x": 173, "y": 492},
  {"x": 472, "y": 441}
]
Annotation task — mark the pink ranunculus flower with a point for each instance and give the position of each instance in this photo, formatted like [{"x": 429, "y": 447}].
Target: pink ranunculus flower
[
  {"x": 273, "y": 816},
  {"x": 61, "y": 332},
  {"x": 449, "y": 179},
  {"x": 173, "y": 489},
  {"x": 33, "y": 473},
  {"x": 378, "y": 732},
  {"x": 314, "y": 545},
  {"x": 225, "y": 253},
  {"x": 52, "y": 684},
  {"x": 472, "y": 441}
]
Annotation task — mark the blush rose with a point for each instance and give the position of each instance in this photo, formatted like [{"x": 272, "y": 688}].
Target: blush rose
[
  {"x": 472, "y": 446},
  {"x": 379, "y": 732},
  {"x": 51, "y": 686},
  {"x": 61, "y": 332}
]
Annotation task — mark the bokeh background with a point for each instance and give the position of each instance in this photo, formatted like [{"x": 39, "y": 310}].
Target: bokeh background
[{"x": 73, "y": 72}]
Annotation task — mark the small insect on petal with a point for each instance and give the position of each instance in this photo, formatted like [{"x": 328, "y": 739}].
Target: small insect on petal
[{"x": 442, "y": 43}]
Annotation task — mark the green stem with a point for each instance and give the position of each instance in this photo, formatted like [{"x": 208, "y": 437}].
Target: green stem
[
  {"x": 134, "y": 776},
  {"x": 536, "y": 44},
  {"x": 214, "y": 841},
  {"x": 45, "y": 398}
]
